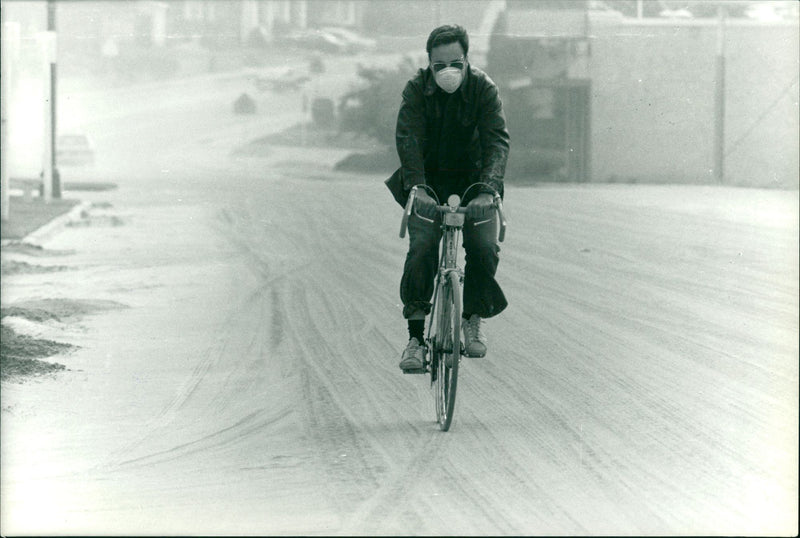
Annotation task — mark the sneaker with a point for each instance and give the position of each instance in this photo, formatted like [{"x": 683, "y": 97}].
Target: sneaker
[
  {"x": 474, "y": 340},
  {"x": 413, "y": 356}
]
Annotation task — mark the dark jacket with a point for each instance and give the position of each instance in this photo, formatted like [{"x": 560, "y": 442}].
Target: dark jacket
[{"x": 450, "y": 141}]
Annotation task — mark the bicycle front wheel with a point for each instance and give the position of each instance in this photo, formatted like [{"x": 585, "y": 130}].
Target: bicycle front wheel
[{"x": 447, "y": 350}]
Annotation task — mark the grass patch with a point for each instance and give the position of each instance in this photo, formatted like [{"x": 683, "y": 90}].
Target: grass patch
[
  {"x": 27, "y": 216},
  {"x": 385, "y": 161},
  {"x": 309, "y": 135}
]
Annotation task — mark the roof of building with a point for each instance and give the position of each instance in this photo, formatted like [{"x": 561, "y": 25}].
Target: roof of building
[{"x": 543, "y": 23}]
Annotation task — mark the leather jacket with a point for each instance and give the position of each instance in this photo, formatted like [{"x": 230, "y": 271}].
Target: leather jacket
[{"x": 450, "y": 141}]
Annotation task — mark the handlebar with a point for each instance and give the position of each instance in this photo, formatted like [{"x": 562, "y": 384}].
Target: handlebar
[{"x": 447, "y": 208}]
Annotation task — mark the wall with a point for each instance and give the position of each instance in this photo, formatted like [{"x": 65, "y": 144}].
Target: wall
[
  {"x": 653, "y": 115},
  {"x": 419, "y": 17}
]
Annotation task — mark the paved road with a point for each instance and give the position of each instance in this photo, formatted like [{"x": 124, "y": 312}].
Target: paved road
[{"x": 644, "y": 379}]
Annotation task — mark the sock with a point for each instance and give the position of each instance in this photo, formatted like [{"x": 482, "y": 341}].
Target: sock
[{"x": 416, "y": 329}]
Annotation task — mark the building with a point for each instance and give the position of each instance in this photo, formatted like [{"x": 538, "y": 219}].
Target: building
[
  {"x": 539, "y": 56},
  {"x": 594, "y": 95}
]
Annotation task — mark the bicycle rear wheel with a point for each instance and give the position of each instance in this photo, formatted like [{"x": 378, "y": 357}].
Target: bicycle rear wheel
[{"x": 447, "y": 350}]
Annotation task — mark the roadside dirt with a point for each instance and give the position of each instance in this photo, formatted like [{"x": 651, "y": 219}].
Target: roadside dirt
[
  {"x": 20, "y": 354},
  {"x": 23, "y": 347}
]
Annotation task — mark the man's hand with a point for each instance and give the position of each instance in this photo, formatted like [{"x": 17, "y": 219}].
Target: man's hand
[
  {"x": 481, "y": 206},
  {"x": 424, "y": 204}
]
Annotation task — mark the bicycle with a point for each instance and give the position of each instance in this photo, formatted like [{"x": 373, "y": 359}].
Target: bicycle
[{"x": 443, "y": 330}]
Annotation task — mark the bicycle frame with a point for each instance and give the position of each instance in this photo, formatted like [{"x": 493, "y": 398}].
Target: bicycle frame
[{"x": 452, "y": 222}]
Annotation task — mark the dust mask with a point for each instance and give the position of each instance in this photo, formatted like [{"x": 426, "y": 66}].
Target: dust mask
[{"x": 449, "y": 79}]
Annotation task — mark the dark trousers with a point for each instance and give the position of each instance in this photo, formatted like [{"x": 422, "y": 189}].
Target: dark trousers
[{"x": 482, "y": 293}]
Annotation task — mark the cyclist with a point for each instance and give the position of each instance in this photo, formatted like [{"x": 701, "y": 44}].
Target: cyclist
[{"x": 451, "y": 133}]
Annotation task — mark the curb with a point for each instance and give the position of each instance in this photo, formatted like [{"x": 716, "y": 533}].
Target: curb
[{"x": 46, "y": 231}]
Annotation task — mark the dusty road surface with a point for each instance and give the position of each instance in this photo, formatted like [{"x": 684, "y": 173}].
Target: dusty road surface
[{"x": 644, "y": 379}]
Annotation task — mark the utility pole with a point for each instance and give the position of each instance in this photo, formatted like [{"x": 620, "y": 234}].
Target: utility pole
[
  {"x": 719, "y": 100},
  {"x": 10, "y": 52},
  {"x": 47, "y": 46},
  {"x": 51, "y": 27}
]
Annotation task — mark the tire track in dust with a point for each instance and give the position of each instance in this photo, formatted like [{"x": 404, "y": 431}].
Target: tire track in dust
[
  {"x": 229, "y": 355},
  {"x": 689, "y": 443},
  {"x": 388, "y": 491},
  {"x": 245, "y": 427},
  {"x": 382, "y": 482},
  {"x": 324, "y": 408},
  {"x": 227, "y": 349},
  {"x": 397, "y": 491}
]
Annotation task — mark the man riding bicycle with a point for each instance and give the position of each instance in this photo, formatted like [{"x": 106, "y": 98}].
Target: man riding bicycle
[{"x": 451, "y": 133}]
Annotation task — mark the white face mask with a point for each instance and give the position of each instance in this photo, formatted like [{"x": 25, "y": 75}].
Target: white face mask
[{"x": 449, "y": 79}]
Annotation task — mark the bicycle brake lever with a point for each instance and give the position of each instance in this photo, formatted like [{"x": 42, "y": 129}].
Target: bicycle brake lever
[{"x": 407, "y": 212}]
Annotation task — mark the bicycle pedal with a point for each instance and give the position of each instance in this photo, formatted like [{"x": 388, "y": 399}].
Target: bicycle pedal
[{"x": 416, "y": 371}]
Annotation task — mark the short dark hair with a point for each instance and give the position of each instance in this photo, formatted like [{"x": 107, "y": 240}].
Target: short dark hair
[{"x": 444, "y": 35}]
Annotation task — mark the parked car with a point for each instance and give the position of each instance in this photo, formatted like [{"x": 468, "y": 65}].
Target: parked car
[
  {"x": 74, "y": 149},
  {"x": 772, "y": 11},
  {"x": 317, "y": 40},
  {"x": 676, "y": 14},
  {"x": 352, "y": 40}
]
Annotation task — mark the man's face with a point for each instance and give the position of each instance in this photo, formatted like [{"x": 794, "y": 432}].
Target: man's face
[{"x": 443, "y": 55}]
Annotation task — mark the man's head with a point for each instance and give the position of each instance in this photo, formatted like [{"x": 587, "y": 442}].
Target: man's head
[
  {"x": 447, "y": 52},
  {"x": 447, "y": 34}
]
